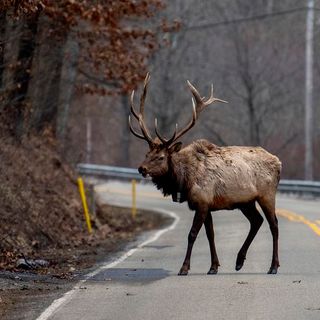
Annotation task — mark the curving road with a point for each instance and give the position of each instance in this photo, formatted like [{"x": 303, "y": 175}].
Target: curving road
[{"x": 143, "y": 283}]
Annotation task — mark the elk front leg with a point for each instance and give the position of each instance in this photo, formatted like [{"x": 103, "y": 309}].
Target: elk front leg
[
  {"x": 198, "y": 220},
  {"x": 210, "y": 235}
]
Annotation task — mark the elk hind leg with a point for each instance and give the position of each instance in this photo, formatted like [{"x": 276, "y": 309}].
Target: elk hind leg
[
  {"x": 252, "y": 214},
  {"x": 268, "y": 207},
  {"x": 210, "y": 235}
]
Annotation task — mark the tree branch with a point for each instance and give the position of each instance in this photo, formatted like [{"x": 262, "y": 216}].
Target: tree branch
[{"x": 100, "y": 81}]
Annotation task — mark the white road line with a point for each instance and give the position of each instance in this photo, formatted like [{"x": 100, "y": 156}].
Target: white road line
[{"x": 58, "y": 303}]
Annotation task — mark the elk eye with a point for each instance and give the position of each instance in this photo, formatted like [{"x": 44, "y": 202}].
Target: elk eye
[{"x": 161, "y": 157}]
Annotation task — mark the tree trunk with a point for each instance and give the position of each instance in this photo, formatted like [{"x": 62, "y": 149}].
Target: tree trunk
[
  {"x": 46, "y": 74},
  {"x": 125, "y": 147},
  {"x": 2, "y": 38},
  {"x": 22, "y": 75},
  {"x": 253, "y": 122},
  {"x": 68, "y": 77}
]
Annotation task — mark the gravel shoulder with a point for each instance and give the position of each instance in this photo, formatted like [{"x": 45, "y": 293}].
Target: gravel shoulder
[{"x": 24, "y": 294}]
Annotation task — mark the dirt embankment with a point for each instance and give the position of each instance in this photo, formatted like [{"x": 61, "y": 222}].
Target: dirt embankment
[
  {"x": 25, "y": 294},
  {"x": 40, "y": 206},
  {"x": 41, "y": 218}
]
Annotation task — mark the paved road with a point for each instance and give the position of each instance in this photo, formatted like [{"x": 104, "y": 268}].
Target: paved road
[{"x": 144, "y": 284}]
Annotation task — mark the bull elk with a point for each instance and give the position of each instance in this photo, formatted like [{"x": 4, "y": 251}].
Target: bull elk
[{"x": 211, "y": 178}]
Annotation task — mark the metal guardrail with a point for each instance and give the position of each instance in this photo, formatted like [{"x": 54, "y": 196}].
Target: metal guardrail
[
  {"x": 300, "y": 186},
  {"x": 108, "y": 171},
  {"x": 286, "y": 186}
]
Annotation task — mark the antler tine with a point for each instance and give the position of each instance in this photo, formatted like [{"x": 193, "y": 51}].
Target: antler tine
[
  {"x": 201, "y": 103},
  {"x": 174, "y": 137},
  {"x": 163, "y": 140},
  {"x": 133, "y": 111},
  {"x": 198, "y": 104},
  {"x": 138, "y": 135},
  {"x": 190, "y": 124},
  {"x": 140, "y": 116},
  {"x": 142, "y": 124},
  {"x": 144, "y": 130},
  {"x": 195, "y": 93},
  {"x": 143, "y": 97},
  {"x": 213, "y": 99}
]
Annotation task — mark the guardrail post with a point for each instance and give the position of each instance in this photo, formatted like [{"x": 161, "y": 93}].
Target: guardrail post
[{"x": 84, "y": 204}]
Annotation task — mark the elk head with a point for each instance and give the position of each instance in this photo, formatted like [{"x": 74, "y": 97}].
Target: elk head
[{"x": 156, "y": 163}]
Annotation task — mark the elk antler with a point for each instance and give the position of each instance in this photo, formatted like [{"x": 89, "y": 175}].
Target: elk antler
[
  {"x": 198, "y": 104},
  {"x": 140, "y": 116},
  {"x": 163, "y": 140}
]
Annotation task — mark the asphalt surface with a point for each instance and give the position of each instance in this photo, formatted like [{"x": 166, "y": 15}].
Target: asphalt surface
[{"x": 143, "y": 283}]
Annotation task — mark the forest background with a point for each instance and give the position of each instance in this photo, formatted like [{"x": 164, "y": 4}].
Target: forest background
[{"x": 67, "y": 69}]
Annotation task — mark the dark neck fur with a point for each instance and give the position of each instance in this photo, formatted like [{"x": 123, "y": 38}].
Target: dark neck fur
[{"x": 168, "y": 183}]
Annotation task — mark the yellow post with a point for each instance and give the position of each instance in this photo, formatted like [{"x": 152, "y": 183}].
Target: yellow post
[
  {"x": 84, "y": 203},
  {"x": 134, "y": 199}
]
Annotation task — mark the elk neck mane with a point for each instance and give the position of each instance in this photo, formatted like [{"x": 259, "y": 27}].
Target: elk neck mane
[
  {"x": 167, "y": 183},
  {"x": 182, "y": 166}
]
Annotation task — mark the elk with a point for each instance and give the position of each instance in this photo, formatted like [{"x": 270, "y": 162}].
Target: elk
[{"x": 211, "y": 178}]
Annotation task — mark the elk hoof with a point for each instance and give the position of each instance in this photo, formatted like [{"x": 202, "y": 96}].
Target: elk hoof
[
  {"x": 239, "y": 266},
  {"x": 273, "y": 270},
  {"x": 183, "y": 271},
  {"x": 239, "y": 262},
  {"x": 213, "y": 271}
]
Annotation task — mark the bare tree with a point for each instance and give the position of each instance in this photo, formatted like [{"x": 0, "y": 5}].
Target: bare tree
[{"x": 253, "y": 53}]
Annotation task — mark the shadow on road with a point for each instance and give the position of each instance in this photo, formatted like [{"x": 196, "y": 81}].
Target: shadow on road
[{"x": 131, "y": 275}]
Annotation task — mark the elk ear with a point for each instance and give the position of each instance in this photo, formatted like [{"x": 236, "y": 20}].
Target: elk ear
[{"x": 175, "y": 148}]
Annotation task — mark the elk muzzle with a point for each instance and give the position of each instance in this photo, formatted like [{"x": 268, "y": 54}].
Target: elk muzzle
[{"x": 143, "y": 170}]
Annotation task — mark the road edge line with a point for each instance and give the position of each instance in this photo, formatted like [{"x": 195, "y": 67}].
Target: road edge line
[{"x": 60, "y": 302}]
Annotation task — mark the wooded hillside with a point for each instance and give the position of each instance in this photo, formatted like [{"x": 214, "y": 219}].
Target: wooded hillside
[
  {"x": 53, "y": 53},
  {"x": 67, "y": 68}
]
